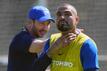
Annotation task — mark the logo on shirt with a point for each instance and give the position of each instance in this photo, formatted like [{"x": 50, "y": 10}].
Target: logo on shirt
[{"x": 63, "y": 63}]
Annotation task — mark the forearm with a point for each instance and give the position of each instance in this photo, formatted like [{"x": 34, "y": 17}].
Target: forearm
[
  {"x": 42, "y": 63},
  {"x": 54, "y": 48}
]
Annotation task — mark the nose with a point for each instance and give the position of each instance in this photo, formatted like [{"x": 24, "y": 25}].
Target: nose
[
  {"x": 62, "y": 17},
  {"x": 45, "y": 27}
]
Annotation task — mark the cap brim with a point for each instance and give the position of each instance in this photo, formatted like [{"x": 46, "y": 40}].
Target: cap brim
[
  {"x": 52, "y": 20},
  {"x": 45, "y": 19}
]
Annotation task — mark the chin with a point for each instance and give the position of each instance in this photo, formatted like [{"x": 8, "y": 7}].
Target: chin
[
  {"x": 37, "y": 35},
  {"x": 41, "y": 35}
]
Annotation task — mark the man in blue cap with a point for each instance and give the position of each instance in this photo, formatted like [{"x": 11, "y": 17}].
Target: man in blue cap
[{"x": 24, "y": 48}]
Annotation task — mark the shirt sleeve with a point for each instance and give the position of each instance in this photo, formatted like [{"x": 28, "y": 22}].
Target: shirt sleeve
[
  {"x": 89, "y": 55},
  {"x": 94, "y": 69}
]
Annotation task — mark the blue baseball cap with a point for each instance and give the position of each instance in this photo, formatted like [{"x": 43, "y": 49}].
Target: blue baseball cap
[{"x": 39, "y": 13}]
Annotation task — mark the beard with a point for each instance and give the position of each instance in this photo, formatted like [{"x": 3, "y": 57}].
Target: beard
[
  {"x": 35, "y": 33},
  {"x": 39, "y": 33},
  {"x": 64, "y": 26}
]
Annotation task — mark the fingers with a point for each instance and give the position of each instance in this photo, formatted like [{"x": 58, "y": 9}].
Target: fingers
[
  {"x": 70, "y": 36},
  {"x": 65, "y": 40}
]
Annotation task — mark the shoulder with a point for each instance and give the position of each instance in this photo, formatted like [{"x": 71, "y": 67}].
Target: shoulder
[
  {"x": 21, "y": 39},
  {"x": 23, "y": 36},
  {"x": 89, "y": 45}
]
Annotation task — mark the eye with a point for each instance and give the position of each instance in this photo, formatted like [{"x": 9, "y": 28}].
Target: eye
[
  {"x": 58, "y": 14},
  {"x": 46, "y": 22},
  {"x": 67, "y": 13}
]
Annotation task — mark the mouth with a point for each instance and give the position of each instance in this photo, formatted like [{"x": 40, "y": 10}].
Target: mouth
[
  {"x": 62, "y": 21},
  {"x": 63, "y": 26},
  {"x": 42, "y": 32}
]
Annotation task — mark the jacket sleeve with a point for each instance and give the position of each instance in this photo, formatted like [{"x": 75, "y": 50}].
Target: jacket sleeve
[{"x": 43, "y": 60}]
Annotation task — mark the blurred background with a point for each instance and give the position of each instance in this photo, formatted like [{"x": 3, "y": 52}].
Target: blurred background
[{"x": 93, "y": 19}]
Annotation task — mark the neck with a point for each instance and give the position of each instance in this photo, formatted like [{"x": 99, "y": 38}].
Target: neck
[{"x": 75, "y": 31}]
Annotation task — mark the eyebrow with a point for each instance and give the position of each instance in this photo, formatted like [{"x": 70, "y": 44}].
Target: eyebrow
[
  {"x": 66, "y": 11},
  {"x": 58, "y": 12}
]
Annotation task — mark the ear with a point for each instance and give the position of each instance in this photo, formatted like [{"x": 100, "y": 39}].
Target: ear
[{"x": 77, "y": 19}]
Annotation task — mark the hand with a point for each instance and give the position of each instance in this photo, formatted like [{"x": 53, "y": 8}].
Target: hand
[
  {"x": 37, "y": 46},
  {"x": 67, "y": 38}
]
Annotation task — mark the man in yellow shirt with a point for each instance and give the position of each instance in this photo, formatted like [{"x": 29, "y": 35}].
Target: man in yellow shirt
[{"x": 69, "y": 50}]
